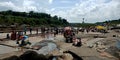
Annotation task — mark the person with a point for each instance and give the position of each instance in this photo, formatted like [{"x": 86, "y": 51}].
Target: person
[
  {"x": 43, "y": 32},
  {"x": 7, "y": 36},
  {"x": 13, "y": 35},
  {"x": 25, "y": 29},
  {"x": 19, "y": 34},
  {"x": 82, "y": 30},
  {"x": 24, "y": 42},
  {"x": 30, "y": 30},
  {"x": 55, "y": 31},
  {"x": 77, "y": 42},
  {"x": 19, "y": 37},
  {"x": 69, "y": 34},
  {"x": 87, "y": 30}
]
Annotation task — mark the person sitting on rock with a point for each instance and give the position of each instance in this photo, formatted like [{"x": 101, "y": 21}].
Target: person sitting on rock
[
  {"x": 24, "y": 42},
  {"x": 77, "y": 41}
]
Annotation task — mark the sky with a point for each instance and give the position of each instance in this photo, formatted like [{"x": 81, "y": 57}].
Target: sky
[{"x": 73, "y": 10}]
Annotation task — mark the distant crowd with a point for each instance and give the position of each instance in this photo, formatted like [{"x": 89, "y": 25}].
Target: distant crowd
[{"x": 69, "y": 34}]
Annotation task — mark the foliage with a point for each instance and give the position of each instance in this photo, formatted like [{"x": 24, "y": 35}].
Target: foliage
[
  {"x": 31, "y": 18},
  {"x": 110, "y": 22},
  {"x": 84, "y": 25}
]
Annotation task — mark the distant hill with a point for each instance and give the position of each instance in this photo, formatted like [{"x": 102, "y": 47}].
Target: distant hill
[{"x": 31, "y": 18}]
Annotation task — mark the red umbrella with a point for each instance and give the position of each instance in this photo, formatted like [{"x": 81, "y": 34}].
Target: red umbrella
[{"x": 67, "y": 28}]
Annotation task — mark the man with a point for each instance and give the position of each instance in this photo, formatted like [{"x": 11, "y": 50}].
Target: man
[{"x": 30, "y": 30}]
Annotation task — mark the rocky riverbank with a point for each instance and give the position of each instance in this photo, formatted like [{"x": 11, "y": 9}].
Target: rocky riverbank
[{"x": 102, "y": 47}]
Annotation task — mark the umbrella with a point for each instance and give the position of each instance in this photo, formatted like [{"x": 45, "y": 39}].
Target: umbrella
[
  {"x": 100, "y": 27},
  {"x": 67, "y": 28}
]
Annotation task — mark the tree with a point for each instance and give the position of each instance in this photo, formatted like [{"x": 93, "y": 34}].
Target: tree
[{"x": 32, "y": 18}]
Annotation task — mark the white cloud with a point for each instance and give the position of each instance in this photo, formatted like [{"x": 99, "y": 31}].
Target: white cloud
[
  {"x": 28, "y": 5},
  {"x": 25, "y": 6},
  {"x": 28, "y": 2},
  {"x": 53, "y": 9},
  {"x": 7, "y": 4},
  {"x": 66, "y": 1},
  {"x": 50, "y": 1},
  {"x": 91, "y": 10}
]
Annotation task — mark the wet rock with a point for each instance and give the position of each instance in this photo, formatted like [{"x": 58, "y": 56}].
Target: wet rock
[
  {"x": 45, "y": 46},
  {"x": 114, "y": 35},
  {"x": 66, "y": 56},
  {"x": 12, "y": 58},
  {"x": 113, "y": 51},
  {"x": 92, "y": 43},
  {"x": 29, "y": 55},
  {"x": 105, "y": 54}
]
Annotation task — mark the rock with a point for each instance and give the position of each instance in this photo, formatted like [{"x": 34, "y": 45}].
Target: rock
[
  {"x": 114, "y": 35},
  {"x": 105, "y": 54},
  {"x": 113, "y": 51},
  {"x": 67, "y": 56},
  {"x": 56, "y": 53},
  {"x": 101, "y": 47},
  {"x": 12, "y": 58}
]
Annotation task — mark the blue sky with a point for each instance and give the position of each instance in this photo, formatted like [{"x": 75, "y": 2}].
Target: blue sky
[{"x": 72, "y": 10}]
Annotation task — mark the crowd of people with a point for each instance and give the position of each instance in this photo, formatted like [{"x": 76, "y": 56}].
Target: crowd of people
[
  {"x": 69, "y": 34},
  {"x": 22, "y": 37}
]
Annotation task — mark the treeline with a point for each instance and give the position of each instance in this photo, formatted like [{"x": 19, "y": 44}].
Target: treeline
[
  {"x": 113, "y": 21},
  {"x": 31, "y": 18},
  {"x": 84, "y": 25},
  {"x": 110, "y": 22}
]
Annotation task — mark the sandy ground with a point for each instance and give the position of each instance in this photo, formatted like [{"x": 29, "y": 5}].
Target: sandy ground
[
  {"x": 3, "y": 35},
  {"x": 85, "y": 52},
  {"x": 8, "y": 51}
]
